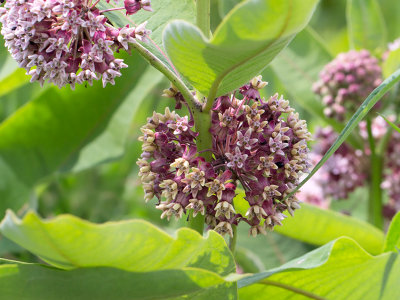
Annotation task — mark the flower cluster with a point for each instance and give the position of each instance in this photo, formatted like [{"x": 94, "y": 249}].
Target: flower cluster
[
  {"x": 260, "y": 144},
  {"x": 347, "y": 168},
  {"x": 67, "y": 41},
  {"x": 346, "y": 81},
  {"x": 343, "y": 172}
]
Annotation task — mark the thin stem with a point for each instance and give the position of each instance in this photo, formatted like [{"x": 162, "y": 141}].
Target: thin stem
[
  {"x": 375, "y": 195},
  {"x": 203, "y": 16},
  {"x": 232, "y": 240},
  {"x": 159, "y": 65},
  {"x": 291, "y": 288}
]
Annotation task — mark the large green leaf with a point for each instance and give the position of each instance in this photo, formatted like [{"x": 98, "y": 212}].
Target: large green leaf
[
  {"x": 69, "y": 242},
  {"x": 36, "y": 282},
  {"x": 69, "y": 130},
  {"x": 338, "y": 270},
  {"x": 243, "y": 45},
  {"x": 128, "y": 260},
  {"x": 367, "y": 29}
]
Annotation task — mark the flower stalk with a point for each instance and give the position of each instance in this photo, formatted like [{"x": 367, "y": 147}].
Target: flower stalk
[
  {"x": 375, "y": 196},
  {"x": 202, "y": 119}
]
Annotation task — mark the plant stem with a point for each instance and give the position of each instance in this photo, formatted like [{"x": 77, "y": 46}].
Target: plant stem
[
  {"x": 202, "y": 120},
  {"x": 375, "y": 196},
  {"x": 232, "y": 240},
  {"x": 203, "y": 16}
]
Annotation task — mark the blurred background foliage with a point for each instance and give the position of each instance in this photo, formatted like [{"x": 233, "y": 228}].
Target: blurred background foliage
[{"x": 96, "y": 178}]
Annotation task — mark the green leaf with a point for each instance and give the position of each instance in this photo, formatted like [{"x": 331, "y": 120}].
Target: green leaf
[
  {"x": 391, "y": 124},
  {"x": 36, "y": 282},
  {"x": 255, "y": 254},
  {"x": 367, "y": 29},
  {"x": 317, "y": 226},
  {"x": 69, "y": 131},
  {"x": 13, "y": 81},
  {"x": 338, "y": 270},
  {"x": 225, "y": 6},
  {"x": 392, "y": 63},
  {"x": 136, "y": 245},
  {"x": 393, "y": 236},
  {"x": 242, "y": 46},
  {"x": 362, "y": 111}
]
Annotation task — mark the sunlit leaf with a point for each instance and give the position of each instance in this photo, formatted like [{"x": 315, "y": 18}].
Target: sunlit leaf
[
  {"x": 242, "y": 46},
  {"x": 136, "y": 245},
  {"x": 338, "y": 270},
  {"x": 393, "y": 235}
]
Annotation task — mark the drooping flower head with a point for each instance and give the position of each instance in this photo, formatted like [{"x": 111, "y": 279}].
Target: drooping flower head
[
  {"x": 66, "y": 41},
  {"x": 261, "y": 145},
  {"x": 346, "y": 81}
]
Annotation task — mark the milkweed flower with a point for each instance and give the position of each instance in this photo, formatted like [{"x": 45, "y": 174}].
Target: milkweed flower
[
  {"x": 259, "y": 144},
  {"x": 346, "y": 81},
  {"x": 66, "y": 42}
]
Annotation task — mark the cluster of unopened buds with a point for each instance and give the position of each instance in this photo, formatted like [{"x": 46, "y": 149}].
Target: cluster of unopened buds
[
  {"x": 68, "y": 41},
  {"x": 346, "y": 81},
  {"x": 259, "y": 144}
]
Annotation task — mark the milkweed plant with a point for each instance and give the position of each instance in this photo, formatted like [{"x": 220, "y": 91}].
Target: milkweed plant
[{"x": 263, "y": 130}]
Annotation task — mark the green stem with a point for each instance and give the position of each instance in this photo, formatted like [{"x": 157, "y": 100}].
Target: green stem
[
  {"x": 375, "y": 195},
  {"x": 202, "y": 119},
  {"x": 203, "y": 16},
  {"x": 232, "y": 240}
]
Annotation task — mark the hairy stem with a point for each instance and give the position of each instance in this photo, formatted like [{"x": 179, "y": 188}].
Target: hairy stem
[
  {"x": 202, "y": 119},
  {"x": 375, "y": 196},
  {"x": 203, "y": 16},
  {"x": 232, "y": 240}
]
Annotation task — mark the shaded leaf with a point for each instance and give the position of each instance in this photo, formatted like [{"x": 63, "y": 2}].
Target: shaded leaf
[
  {"x": 367, "y": 28},
  {"x": 69, "y": 131},
  {"x": 29, "y": 281},
  {"x": 242, "y": 46}
]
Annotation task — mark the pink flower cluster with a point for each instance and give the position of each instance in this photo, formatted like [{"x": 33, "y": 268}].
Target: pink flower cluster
[
  {"x": 346, "y": 81},
  {"x": 259, "y": 144},
  {"x": 67, "y": 41},
  {"x": 344, "y": 171},
  {"x": 347, "y": 169}
]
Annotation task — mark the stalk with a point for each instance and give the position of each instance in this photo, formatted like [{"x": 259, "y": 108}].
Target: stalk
[
  {"x": 232, "y": 240},
  {"x": 202, "y": 119},
  {"x": 375, "y": 196}
]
